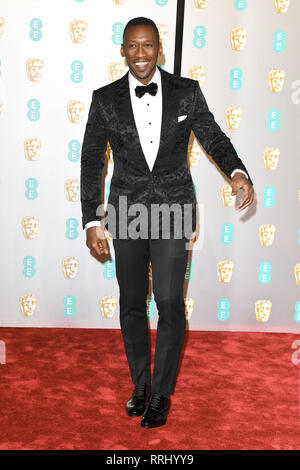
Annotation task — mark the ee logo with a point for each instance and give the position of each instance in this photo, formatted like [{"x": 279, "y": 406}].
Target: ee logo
[
  {"x": 279, "y": 37},
  {"x": 199, "y": 37},
  {"x": 240, "y": 5},
  {"x": 189, "y": 271},
  {"x": 223, "y": 309},
  {"x": 118, "y": 30},
  {"x": 35, "y": 33},
  {"x": 150, "y": 306},
  {"x": 297, "y": 312},
  {"x": 265, "y": 273},
  {"x": 74, "y": 147},
  {"x": 269, "y": 193},
  {"x": 76, "y": 75},
  {"x": 31, "y": 184},
  {"x": 109, "y": 269},
  {"x": 273, "y": 119},
  {"x": 33, "y": 113},
  {"x": 235, "y": 78},
  {"x": 29, "y": 266},
  {"x": 227, "y": 236},
  {"x": 69, "y": 305},
  {"x": 71, "y": 228},
  {"x": 161, "y": 3}
]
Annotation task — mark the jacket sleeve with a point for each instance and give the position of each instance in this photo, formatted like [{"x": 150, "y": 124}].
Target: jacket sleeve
[
  {"x": 92, "y": 162},
  {"x": 212, "y": 138}
]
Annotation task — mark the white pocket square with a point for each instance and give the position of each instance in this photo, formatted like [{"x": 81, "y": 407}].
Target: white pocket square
[{"x": 182, "y": 118}]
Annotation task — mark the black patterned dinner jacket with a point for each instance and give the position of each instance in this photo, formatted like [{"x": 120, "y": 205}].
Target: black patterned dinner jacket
[{"x": 111, "y": 119}]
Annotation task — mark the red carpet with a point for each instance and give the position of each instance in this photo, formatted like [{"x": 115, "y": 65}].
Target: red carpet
[{"x": 66, "y": 389}]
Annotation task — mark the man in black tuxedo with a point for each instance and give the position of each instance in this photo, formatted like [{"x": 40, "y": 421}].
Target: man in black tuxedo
[{"x": 147, "y": 117}]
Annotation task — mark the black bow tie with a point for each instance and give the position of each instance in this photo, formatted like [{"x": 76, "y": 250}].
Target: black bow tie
[{"x": 141, "y": 90}]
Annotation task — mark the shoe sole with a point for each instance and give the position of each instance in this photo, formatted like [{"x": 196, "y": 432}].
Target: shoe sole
[
  {"x": 156, "y": 425},
  {"x": 134, "y": 414}
]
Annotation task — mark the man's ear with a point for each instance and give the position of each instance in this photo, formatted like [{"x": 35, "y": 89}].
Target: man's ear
[{"x": 122, "y": 51}]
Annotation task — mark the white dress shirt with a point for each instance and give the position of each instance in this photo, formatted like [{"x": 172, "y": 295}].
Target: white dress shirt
[{"x": 147, "y": 112}]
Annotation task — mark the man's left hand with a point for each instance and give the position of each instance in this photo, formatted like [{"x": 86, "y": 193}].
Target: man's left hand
[{"x": 239, "y": 181}]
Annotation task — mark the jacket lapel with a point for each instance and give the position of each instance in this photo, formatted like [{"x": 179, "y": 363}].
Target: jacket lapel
[{"x": 128, "y": 127}]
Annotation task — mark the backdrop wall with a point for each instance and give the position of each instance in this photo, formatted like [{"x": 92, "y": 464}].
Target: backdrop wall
[{"x": 243, "y": 270}]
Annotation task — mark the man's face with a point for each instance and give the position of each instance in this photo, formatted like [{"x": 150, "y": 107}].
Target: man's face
[{"x": 141, "y": 49}]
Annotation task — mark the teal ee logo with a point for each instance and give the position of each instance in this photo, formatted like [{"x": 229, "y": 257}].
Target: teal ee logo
[
  {"x": 35, "y": 32},
  {"x": 74, "y": 153},
  {"x": 71, "y": 228},
  {"x": 279, "y": 37},
  {"x": 227, "y": 237},
  {"x": 69, "y": 305},
  {"x": 265, "y": 273},
  {"x": 109, "y": 269},
  {"x": 223, "y": 309},
  {"x": 240, "y": 5},
  {"x": 269, "y": 199},
  {"x": 76, "y": 71},
  {"x": 33, "y": 113},
  {"x": 29, "y": 266},
  {"x": 31, "y": 192},
  {"x": 150, "y": 306},
  {"x": 273, "y": 119},
  {"x": 297, "y": 312},
  {"x": 107, "y": 189},
  {"x": 199, "y": 37},
  {"x": 189, "y": 271},
  {"x": 161, "y": 3},
  {"x": 118, "y": 30},
  {"x": 235, "y": 78}
]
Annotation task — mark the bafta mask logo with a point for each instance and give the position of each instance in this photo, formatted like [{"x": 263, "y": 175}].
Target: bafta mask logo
[
  {"x": 109, "y": 154},
  {"x": 2, "y": 23},
  {"x": 163, "y": 30},
  {"x": 233, "y": 116},
  {"x": 189, "y": 307},
  {"x": 297, "y": 273},
  {"x": 30, "y": 227},
  {"x": 194, "y": 153},
  {"x": 34, "y": 69},
  {"x": 238, "y": 38},
  {"x": 70, "y": 266},
  {"x": 108, "y": 306},
  {"x": 28, "y": 304},
  {"x": 271, "y": 158},
  {"x": 267, "y": 234},
  {"x": 226, "y": 193},
  {"x": 32, "y": 148},
  {"x": 201, "y": 4},
  {"x": 225, "y": 270},
  {"x": 75, "y": 111},
  {"x": 119, "y": 2},
  {"x": 281, "y": 6},
  {"x": 197, "y": 72},
  {"x": 116, "y": 70},
  {"x": 78, "y": 30},
  {"x": 72, "y": 187},
  {"x": 263, "y": 310},
  {"x": 276, "y": 80}
]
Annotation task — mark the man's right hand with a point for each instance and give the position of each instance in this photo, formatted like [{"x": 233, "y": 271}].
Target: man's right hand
[{"x": 97, "y": 242}]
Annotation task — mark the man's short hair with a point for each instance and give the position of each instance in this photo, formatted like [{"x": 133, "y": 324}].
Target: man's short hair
[{"x": 141, "y": 21}]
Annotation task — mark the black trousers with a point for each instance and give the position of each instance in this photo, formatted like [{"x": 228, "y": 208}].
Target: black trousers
[{"x": 168, "y": 260}]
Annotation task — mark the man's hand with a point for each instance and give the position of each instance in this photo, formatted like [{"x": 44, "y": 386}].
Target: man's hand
[
  {"x": 239, "y": 181},
  {"x": 97, "y": 242}
]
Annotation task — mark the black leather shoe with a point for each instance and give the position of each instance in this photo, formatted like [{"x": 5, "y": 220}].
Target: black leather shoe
[
  {"x": 137, "y": 403},
  {"x": 156, "y": 412}
]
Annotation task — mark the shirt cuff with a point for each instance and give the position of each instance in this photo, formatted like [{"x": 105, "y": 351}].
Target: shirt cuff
[
  {"x": 93, "y": 223},
  {"x": 238, "y": 171}
]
